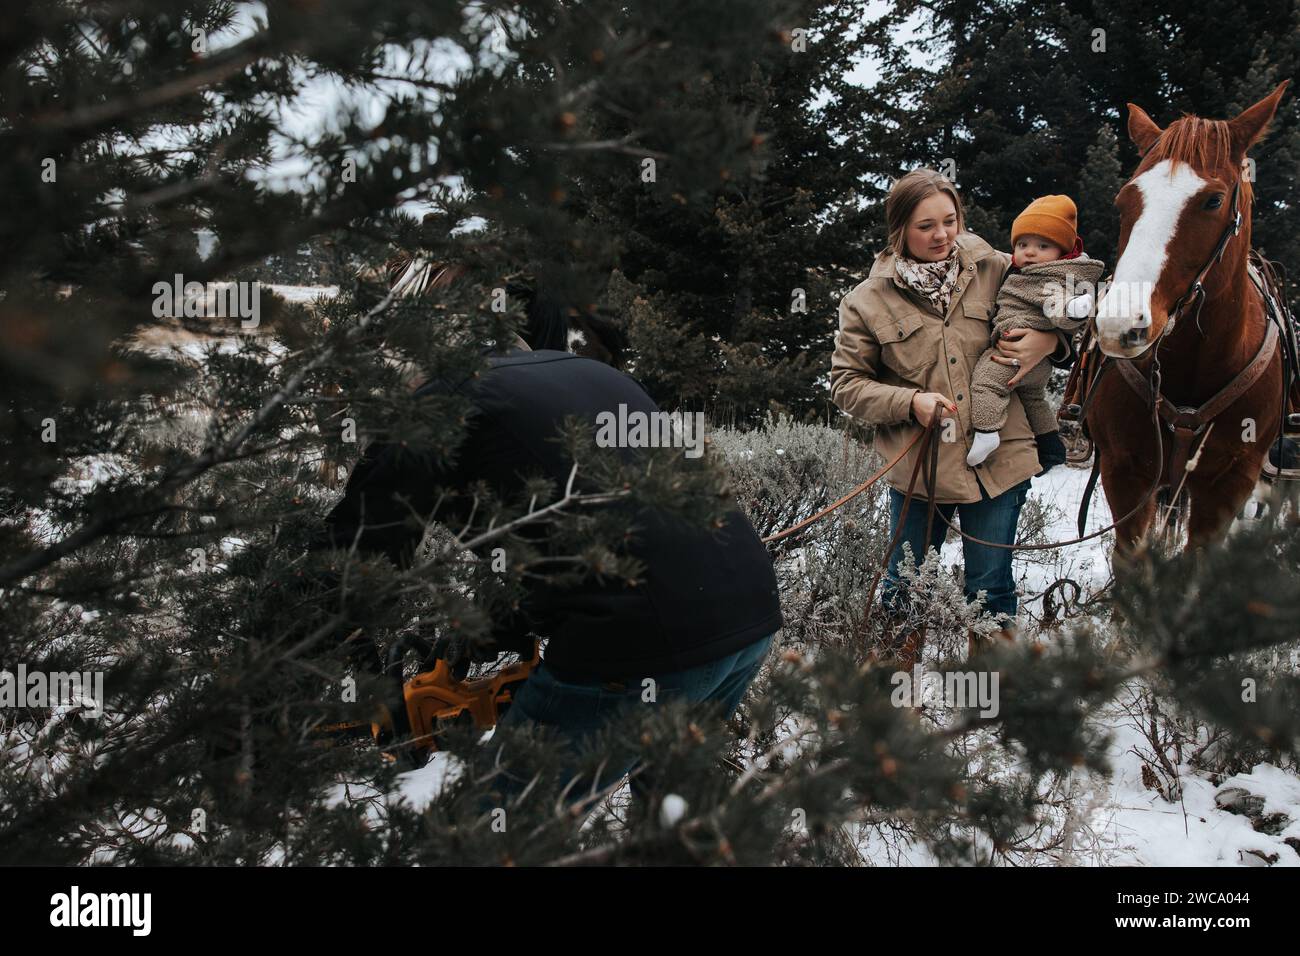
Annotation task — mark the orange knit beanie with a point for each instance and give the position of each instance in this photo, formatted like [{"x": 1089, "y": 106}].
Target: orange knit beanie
[{"x": 1052, "y": 217}]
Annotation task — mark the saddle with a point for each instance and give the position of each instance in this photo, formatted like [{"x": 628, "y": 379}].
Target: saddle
[{"x": 1283, "y": 461}]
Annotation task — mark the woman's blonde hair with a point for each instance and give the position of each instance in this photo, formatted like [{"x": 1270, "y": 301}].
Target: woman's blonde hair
[{"x": 905, "y": 195}]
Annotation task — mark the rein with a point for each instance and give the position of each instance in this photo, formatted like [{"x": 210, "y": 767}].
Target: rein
[
  {"x": 929, "y": 456},
  {"x": 847, "y": 498},
  {"x": 1051, "y": 546}
]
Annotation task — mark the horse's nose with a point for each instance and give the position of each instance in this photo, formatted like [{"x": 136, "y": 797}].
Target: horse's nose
[{"x": 1134, "y": 337}]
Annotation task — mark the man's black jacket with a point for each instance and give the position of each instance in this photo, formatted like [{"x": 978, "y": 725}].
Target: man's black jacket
[{"x": 703, "y": 595}]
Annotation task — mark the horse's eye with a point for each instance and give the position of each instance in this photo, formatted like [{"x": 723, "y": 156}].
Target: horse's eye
[{"x": 1215, "y": 201}]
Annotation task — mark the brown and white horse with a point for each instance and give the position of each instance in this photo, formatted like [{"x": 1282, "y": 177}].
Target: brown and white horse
[{"x": 1176, "y": 213}]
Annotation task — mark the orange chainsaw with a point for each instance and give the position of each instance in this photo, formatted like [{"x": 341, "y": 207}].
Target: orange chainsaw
[{"x": 406, "y": 724}]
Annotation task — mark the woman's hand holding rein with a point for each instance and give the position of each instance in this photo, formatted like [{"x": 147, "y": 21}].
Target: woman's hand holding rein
[{"x": 926, "y": 404}]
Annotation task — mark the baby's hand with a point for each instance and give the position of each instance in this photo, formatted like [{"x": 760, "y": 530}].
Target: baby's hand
[{"x": 1080, "y": 307}]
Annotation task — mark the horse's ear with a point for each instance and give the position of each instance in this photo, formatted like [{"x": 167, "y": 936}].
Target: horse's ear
[
  {"x": 1141, "y": 128},
  {"x": 1252, "y": 124}
]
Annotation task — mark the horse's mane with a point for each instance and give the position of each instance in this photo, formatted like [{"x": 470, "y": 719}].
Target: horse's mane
[{"x": 1200, "y": 143}]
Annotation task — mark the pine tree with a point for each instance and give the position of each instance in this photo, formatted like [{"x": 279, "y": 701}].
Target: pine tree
[
  {"x": 1099, "y": 180},
  {"x": 733, "y": 301},
  {"x": 159, "y": 504},
  {"x": 1017, "y": 90}
]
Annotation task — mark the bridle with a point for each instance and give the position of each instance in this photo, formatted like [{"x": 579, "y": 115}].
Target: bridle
[{"x": 1196, "y": 291}]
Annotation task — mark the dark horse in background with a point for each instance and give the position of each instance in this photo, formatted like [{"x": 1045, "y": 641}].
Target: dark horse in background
[{"x": 1177, "y": 216}]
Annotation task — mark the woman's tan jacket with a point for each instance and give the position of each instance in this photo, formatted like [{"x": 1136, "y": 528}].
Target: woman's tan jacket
[{"x": 893, "y": 343}]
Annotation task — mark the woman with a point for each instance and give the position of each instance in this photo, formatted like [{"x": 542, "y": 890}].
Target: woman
[{"x": 910, "y": 335}]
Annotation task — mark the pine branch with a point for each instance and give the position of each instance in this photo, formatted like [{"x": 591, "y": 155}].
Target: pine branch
[
  {"x": 211, "y": 458},
  {"x": 217, "y": 69}
]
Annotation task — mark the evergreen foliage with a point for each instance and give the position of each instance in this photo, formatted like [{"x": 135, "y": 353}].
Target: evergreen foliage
[{"x": 705, "y": 175}]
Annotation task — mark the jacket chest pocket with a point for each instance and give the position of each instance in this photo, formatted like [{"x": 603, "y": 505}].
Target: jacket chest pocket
[
  {"x": 974, "y": 328},
  {"x": 905, "y": 345}
]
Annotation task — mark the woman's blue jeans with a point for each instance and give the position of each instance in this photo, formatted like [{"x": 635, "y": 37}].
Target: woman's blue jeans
[
  {"x": 576, "y": 710},
  {"x": 986, "y": 569}
]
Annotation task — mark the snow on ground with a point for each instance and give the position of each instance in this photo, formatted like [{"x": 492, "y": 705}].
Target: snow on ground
[
  {"x": 1058, "y": 493},
  {"x": 421, "y": 787},
  {"x": 302, "y": 294},
  {"x": 1139, "y": 828},
  {"x": 1126, "y": 822}
]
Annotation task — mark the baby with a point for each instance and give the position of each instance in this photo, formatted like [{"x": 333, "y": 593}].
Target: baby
[{"x": 1046, "y": 252}]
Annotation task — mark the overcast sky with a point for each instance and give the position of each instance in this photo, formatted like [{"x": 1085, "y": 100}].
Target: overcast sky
[{"x": 323, "y": 101}]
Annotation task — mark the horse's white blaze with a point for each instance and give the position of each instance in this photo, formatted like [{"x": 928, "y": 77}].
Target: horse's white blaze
[
  {"x": 576, "y": 338},
  {"x": 1165, "y": 192}
]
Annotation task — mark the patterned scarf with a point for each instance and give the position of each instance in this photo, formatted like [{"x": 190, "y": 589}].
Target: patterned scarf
[{"x": 933, "y": 280}]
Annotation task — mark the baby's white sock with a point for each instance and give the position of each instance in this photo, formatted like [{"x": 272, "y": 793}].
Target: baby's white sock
[{"x": 982, "y": 446}]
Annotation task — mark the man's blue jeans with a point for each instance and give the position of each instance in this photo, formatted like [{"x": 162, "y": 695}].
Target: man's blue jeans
[
  {"x": 576, "y": 710},
  {"x": 987, "y": 569}
]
